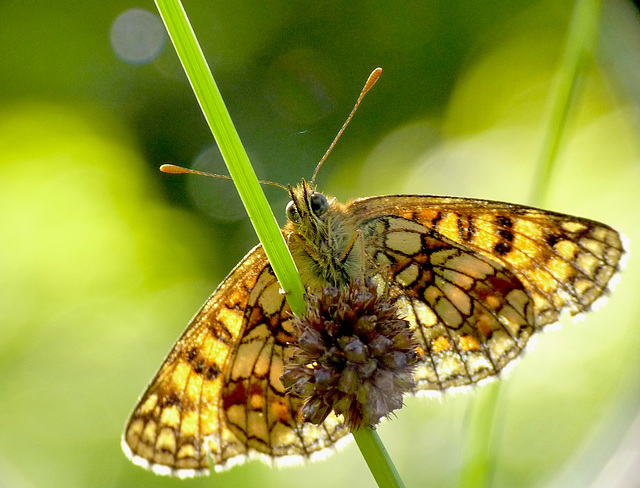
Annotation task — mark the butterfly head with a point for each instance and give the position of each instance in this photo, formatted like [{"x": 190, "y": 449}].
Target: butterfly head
[
  {"x": 307, "y": 209},
  {"x": 320, "y": 234}
]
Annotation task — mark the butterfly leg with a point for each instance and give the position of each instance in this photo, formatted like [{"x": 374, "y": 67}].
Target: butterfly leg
[
  {"x": 304, "y": 245},
  {"x": 358, "y": 237}
]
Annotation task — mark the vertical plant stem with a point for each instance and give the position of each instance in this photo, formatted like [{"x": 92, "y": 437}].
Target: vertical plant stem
[
  {"x": 581, "y": 39},
  {"x": 377, "y": 458},
  {"x": 219, "y": 120},
  {"x": 233, "y": 152},
  {"x": 480, "y": 457}
]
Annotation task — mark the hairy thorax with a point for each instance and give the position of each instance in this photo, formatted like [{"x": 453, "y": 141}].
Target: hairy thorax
[{"x": 327, "y": 250}]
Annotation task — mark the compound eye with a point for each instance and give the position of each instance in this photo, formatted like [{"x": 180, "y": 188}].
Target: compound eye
[
  {"x": 318, "y": 203},
  {"x": 292, "y": 213}
]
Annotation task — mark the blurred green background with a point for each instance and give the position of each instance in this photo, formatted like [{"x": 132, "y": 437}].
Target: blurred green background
[{"x": 104, "y": 260}]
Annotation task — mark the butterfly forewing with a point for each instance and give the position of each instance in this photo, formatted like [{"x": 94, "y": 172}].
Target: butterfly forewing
[{"x": 564, "y": 262}]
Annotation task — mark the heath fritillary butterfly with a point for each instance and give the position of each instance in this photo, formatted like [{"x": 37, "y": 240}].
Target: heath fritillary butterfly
[{"x": 474, "y": 279}]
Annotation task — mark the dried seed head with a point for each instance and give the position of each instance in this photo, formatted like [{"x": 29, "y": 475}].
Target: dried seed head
[{"x": 352, "y": 354}]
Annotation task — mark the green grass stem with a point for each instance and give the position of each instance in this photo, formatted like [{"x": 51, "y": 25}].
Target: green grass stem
[
  {"x": 581, "y": 41},
  {"x": 480, "y": 450},
  {"x": 235, "y": 156},
  {"x": 377, "y": 458},
  {"x": 233, "y": 152},
  {"x": 480, "y": 455}
]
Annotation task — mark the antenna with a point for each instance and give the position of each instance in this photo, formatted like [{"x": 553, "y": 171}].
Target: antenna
[
  {"x": 179, "y": 170},
  {"x": 373, "y": 77}
]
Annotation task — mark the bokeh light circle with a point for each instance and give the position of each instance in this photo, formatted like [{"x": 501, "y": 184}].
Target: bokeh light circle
[{"x": 137, "y": 36}]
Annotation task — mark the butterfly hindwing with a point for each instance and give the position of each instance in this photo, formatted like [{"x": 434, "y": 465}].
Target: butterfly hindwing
[
  {"x": 218, "y": 392},
  {"x": 263, "y": 419},
  {"x": 179, "y": 409},
  {"x": 471, "y": 316}
]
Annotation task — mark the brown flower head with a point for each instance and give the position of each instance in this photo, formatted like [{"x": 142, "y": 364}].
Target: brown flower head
[{"x": 352, "y": 354}]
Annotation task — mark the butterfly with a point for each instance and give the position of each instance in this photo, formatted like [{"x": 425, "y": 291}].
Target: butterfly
[{"x": 474, "y": 279}]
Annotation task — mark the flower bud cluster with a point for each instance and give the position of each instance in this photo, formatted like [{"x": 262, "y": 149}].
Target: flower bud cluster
[{"x": 352, "y": 354}]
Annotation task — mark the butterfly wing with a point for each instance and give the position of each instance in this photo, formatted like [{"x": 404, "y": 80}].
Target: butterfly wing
[
  {"x": 180, "y": 408},
  {"x": 218, "y": 392},
  {"x": 265, "y": 421},
  {"x": 474, "y": 278},
  {"x": 477, "y": 278}
]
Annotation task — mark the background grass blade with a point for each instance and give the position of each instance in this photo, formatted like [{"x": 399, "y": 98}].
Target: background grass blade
[{"x": 480, "y": 453}]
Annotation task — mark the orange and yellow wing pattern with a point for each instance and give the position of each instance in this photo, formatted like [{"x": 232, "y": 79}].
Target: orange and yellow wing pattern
[
  {"x": 474, "y": 278},
  {"x": 218, "y": 391},
  {"x": 477, "y": 278}
]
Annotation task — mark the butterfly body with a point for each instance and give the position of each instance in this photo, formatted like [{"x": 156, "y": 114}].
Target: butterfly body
[
  {"x": 474, "y": 278},
  {"x": 321, "y": 236}
]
